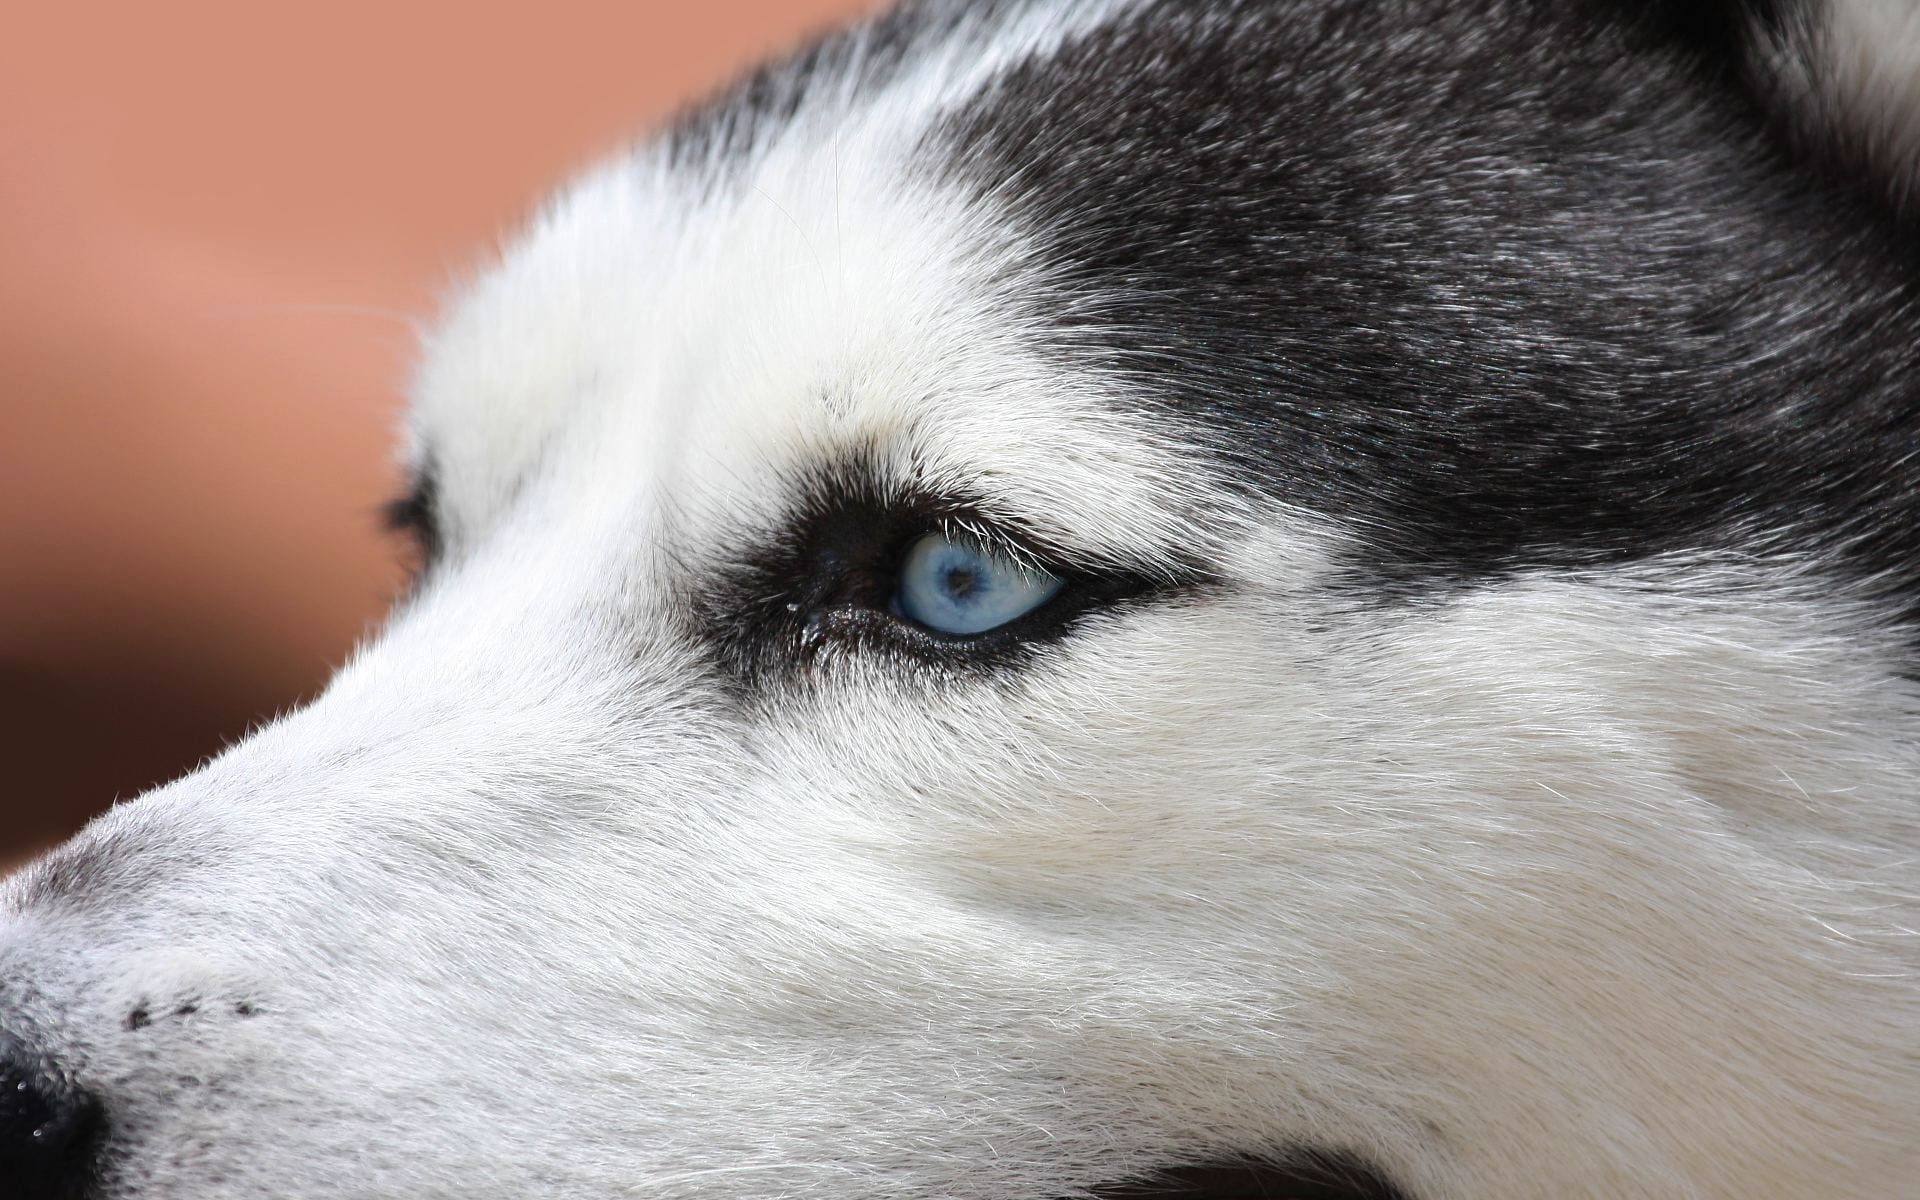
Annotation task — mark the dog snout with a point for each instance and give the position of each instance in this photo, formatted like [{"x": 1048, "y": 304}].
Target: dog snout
[{"x": 50, "y": 1129}]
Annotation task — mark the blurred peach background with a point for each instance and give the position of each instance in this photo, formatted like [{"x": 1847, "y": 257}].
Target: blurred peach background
[{"x": 219, "y": 220}]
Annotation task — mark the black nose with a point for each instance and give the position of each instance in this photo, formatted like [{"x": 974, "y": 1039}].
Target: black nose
[{"x": 49, "y": 1132}]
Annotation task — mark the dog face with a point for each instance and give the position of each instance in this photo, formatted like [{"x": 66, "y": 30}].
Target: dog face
[{"x": 1052, "y": 596}]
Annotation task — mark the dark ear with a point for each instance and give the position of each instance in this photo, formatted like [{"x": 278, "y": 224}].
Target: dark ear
[{"x": 1844, "y": 78}]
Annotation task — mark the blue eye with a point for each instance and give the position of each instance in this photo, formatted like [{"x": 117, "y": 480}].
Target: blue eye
[{"x": 963, "y": 588}]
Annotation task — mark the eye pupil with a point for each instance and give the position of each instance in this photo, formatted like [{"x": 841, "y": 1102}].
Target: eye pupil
[{"x": 961, "y": 588}]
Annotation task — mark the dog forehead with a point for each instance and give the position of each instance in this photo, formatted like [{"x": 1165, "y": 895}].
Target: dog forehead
[{"x": 660, "y": 336}]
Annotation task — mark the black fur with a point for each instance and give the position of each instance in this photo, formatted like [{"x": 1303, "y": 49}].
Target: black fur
[
  {"x": 1302, "y": 1176},
  {"x": 1495, "y": 284}
]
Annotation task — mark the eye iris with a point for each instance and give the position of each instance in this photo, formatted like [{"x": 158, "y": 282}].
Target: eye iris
[{"x": 959, "y": 588}]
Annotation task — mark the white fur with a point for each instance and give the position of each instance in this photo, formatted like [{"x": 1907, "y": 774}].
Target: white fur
[
  {"x": 1874, "y": 51},
  {"x": 1588, "y": 885},
  {"x": 1855, "y": 74}
]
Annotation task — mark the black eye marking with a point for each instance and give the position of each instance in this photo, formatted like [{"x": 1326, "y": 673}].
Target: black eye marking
[
  {"x": 824, "y": 585},
  {"x": 416, "y": 517}
]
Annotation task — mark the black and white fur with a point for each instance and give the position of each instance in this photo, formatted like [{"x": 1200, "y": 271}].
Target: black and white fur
[{"x": 1476, "y": 755}]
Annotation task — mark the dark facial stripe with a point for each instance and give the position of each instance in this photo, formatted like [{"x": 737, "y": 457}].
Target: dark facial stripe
[{"x": 1498, "y": 283}]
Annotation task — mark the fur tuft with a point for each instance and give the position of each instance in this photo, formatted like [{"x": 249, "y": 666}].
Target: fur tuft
[{"x": 1849, "y": 72}]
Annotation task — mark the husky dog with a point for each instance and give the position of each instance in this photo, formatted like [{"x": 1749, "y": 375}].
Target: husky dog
[{"x": 1094, "y": 598}]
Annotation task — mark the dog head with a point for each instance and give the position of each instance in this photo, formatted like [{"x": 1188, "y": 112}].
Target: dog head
[{"x": 1058, "y": 599}]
